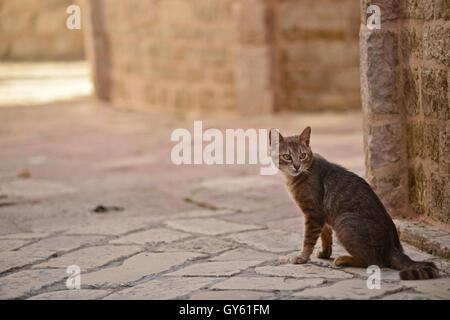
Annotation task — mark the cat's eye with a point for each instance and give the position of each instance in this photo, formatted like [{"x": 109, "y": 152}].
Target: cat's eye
[
  {"x": 286, "y": 156},
  {"x": 302, "y": 156}
]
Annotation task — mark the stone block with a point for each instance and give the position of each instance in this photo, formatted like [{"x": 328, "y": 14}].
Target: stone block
[
  {"x": 267, "y": 283},
  {"x": 435, "y": 94},
  {"x": 379, "y": 60},
  {"x": 162, "y": 289},
  {"x": 411, "y": 91},
  {"x": 411, "y": 40},
  {"x": 215, "y": 268},
  {"x": 390, "y": 191},
  {"x": 348, "y": 289},
  {"x": 417, "y": 186},
  {"x": 384, "y": 143}
]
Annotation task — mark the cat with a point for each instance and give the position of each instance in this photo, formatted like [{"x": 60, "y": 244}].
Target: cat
[{"x": 333, "y": 198}]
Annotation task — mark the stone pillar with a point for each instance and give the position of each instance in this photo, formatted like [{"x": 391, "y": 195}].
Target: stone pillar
[
  {"x": 384, "y": 120},
  {"x": 254, "y": 67},
  {"x": 97, "y": 47}
]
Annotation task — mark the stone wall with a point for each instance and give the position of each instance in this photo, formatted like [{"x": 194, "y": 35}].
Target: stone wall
[
  {"x": 404, "y": 80},
  {"x": 36, "y": 30},
  {"x": 227, "y": 55},
  {"x": 318, "y": 54}
]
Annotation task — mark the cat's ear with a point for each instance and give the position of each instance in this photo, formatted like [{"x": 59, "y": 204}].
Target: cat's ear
[
  {"x": 275, "y": 131},
  {"x": 306, "y": 134}
]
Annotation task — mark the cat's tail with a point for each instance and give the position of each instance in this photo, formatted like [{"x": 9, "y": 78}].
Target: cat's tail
[{"x": 413, "y": 270}]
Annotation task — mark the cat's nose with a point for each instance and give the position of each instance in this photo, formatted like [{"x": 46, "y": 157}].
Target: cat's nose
[{"x": 296, "y": 167}]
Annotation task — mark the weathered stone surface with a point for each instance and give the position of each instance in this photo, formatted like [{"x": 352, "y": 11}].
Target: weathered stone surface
[
  {"x": 378, "y": 76},
  {"x": 136, "y": 267},
  {"x": 112, "y": 226},
  {"x": 228, "y": 295},
  {"x": 26, "y": 235},
  {"x": 303, "y": 271},
  {"x": 386, "y": 273},
  {"x": 266, "y": 283},
  {"x": 347, "y": 289},
  {"x": 409, "y": 295},
  {"x": 383, "y": 143},
  {"x": 81, "y": 294},
  {"x": 42, "y": 250},
  {"x": 269, "y": 240},
  {"x": 11, "y": 244},
  {"x": 46, "y": 247},
  {"x": 18, "y": 284},
  {"x": 215, "y": 268},
  {"x": 34, "y": 189},
  {"x": 152, "y": 236},
  {"x": 15, "y": 259},
  {"x": 292, "y": 224},
  {"x": 90, "y": 257},
  {"x": 203, "y": 213},
  {"x": 162, "y": 289},
  {"x": 203, "y": 244},
  {"x": 264, "y": 215},
  {"x": 435, "y": 93},
  {"x": 423, "y": 237},
  {"x": 389, "y": 189},
  {"x": 209, "y": 226},
  {"x": 436, "y": 44},
  {"x": 437, "y": 287},
  {"x": 244, "y": 254},
  {"x": 411, "y": 90},
  {"x": 237, "y": 184},
  {"x": 124, "y": 163}
]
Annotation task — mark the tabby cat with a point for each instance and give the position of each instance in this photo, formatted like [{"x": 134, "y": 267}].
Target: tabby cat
[{"x": 333, "y": 198}]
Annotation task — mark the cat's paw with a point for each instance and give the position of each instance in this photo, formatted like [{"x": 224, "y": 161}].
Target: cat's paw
[
  {"x": 298, "y": 260},
  {"x": 324, "y": 254}
]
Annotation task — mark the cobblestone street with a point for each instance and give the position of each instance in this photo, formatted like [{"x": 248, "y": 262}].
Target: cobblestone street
[{"x": 88, "y": 185}]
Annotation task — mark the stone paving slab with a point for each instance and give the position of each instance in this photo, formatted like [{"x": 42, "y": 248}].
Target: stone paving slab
[
  {"x": 215, "y": 268},
  {"x": 18, "y": 284},
  {"x": 46, "y": 247},
  {"x": 267, "y": 283},
  {"x": 137, "y": 267},
  {"x": 244, "y": 254},
  {"x": 207, "y": 245},
  {"x": 208, "y": 226},
  {"x": 436, "y": 287},
  {"x": 81, "y": 294},
  {"x": 229, "y": 295},
  {"x": 24, "y": 236},
  {"x": 12, "y": 244},
  {"x": 152, "y": 236},
  {"x": 269, "y": 240},
  {"x": 111, "y": 226},
  {"x": 162, "y": 289},
  {"x": 347, "y": 289},
  {"x": 34, "y": 189},
  {"x": 265, "y": 215},
  {"x": 409, "y": 295},
  {"x": 91, "y": 257},
  {"x": 303, "y": 271}
]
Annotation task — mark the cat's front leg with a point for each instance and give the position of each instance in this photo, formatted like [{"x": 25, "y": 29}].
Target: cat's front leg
[{"x": 313, "y": 227}]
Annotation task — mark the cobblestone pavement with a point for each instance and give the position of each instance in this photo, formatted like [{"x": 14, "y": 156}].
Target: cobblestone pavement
[{"x": 83, "y": 184}]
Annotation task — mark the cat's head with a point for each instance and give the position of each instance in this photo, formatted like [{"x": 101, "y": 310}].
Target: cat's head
[{"x": 295, "y": 155}]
